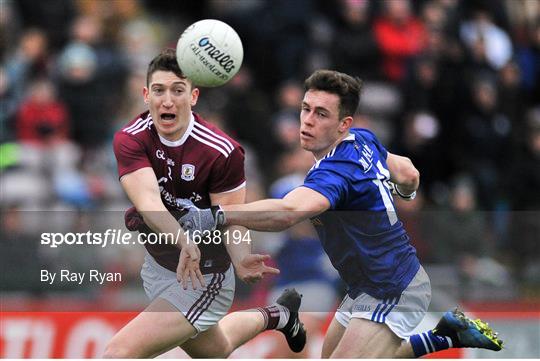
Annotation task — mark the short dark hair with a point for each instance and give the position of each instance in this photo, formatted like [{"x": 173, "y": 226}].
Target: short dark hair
[
  {"x": 165, "y": 61},
  {"x": 346, "y": 87}
]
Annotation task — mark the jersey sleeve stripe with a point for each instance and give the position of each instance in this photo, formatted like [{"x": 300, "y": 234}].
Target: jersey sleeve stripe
[
  {"x": 147, "y": 126},
  {"x": 134, "y": 125},
  {"x": 140, "y": 128},
  {"x": 212, "y": 139},
  {"x": 214, "y": 134},
  {"x": 195, "y": 136},
  {"x": 137, "y": 124}
]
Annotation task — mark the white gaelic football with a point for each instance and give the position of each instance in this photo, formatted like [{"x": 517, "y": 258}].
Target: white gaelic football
[{"x": 209, "y": 53}]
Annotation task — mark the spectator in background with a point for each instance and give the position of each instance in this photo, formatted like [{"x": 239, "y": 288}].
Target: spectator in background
[
  {"x": 289, "y": 96},
  {"x": 523, "y": 17},
  {"x": 523, "y": 184},
  {"x": 285, "y": 119},
  {"x": 527, "y": 165},
  {"x": 528, "y": 57},
  {"x": 452, "y": 13},
  {"x": 430, "y": 93},
  {"x": 400, "y": 36},
  {"x": 138, "y": 34},
  {"x": 446, "y": 55},
  {"x": 89, "y": 70},
  {"x": 482, "y": 139},
  {"x": 42, "y": 125},
  {"x": 421, "y": 141},
  {"x": 354, "y": 48},
  {"x": 42, "y": 119},
  {"x": 15, "y": 73},
  {"x": 433, "y": 15},
  {"x": 463, "y": 227},
  {"x": 245, "y": 111},
  {"x": 80, "y": 89},
  {"x": 10, "y": 28},
  {"x": 465, "y": 240},
  {"x": 277, "y": 32},
  {"x": 512, "y": 100},
  {"x": 18, "y": 245},
  {"x": 50, "y": 16},
  {"x": 486, "y": 41},
  {"x": 420, "y": 90},
  {"x": 131, "y": 102}
]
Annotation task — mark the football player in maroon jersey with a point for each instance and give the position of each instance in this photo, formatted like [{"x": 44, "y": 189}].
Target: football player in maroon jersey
[{"x": 166, "y": 154}]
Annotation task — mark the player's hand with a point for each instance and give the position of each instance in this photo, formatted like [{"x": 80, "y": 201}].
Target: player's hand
[
  {"x": 188, "y": 267},
  {"x": 196, "y": 219},
  {"x": 252, "y": 268}
]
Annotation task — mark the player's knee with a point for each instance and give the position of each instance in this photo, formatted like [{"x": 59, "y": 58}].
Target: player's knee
[
  {"x": 327, "y": 351},
  {"x": 342, "y": 354},
  {"x": 325, "y": 354},
  {"x": 226, "y": 351},
  {"x": 352, "y": 354},
  {"x": 223, "y": 352}
]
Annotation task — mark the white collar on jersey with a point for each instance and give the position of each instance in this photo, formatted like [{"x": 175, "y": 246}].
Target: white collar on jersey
[
  {"x": 184, "y": 137},
  {"x": 349, "y": 138}
]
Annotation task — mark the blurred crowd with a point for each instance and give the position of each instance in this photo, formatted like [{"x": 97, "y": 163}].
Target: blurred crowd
[{"x": 454, "y": 85}]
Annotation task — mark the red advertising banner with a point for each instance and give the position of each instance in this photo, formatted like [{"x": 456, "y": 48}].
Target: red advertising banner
[{"x": 85, "y": 334}]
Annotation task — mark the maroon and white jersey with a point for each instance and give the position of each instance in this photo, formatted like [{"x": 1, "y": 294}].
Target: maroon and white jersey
[{"x": 205, "y": 160}]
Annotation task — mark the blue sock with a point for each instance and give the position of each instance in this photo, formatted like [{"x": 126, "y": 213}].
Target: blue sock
[{"x": 427, "y": 342}]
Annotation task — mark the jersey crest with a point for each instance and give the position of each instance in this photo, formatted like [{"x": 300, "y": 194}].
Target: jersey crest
[{"x": 187, "y": 172}]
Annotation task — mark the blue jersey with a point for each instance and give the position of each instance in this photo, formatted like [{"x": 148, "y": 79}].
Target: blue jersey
[{"x": 361, "y": 233}]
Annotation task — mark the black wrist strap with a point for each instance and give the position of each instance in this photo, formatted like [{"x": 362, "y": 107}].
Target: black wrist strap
[
  {"x": 219, "y": 215},
  {"x": 405, "y": 196}
]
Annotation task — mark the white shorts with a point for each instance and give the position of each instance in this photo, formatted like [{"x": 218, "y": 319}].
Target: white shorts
[
  {"x": 203, "y": 307},
  {"x": 401, "y": 314}
]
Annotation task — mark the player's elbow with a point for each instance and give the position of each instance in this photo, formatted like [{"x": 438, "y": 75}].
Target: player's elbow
[
  {"x": 414, "y": 177},
  {"x": 410, "y": 176},
  {"x": 284, "y": 220}
]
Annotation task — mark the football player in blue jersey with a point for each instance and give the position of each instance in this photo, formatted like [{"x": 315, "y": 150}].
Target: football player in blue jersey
[{"x": 348, "y": 196}]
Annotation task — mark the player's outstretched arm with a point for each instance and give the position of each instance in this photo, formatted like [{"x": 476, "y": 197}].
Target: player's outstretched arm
[
  {"x": 403, "y": 174},
  {"x": 249, "y": 267},
  {"x": 142, "y": 189},
  {"x": 277, "y": 214},
  {"x": 269, "y": 215}
]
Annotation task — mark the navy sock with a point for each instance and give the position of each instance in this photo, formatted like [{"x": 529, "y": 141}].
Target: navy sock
[{"x": 427, "y": 342}]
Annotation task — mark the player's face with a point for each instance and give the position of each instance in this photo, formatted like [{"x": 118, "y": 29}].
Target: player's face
[
  {"x": 170, "y": 99},
  {"x": 320, "y": 125}
]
